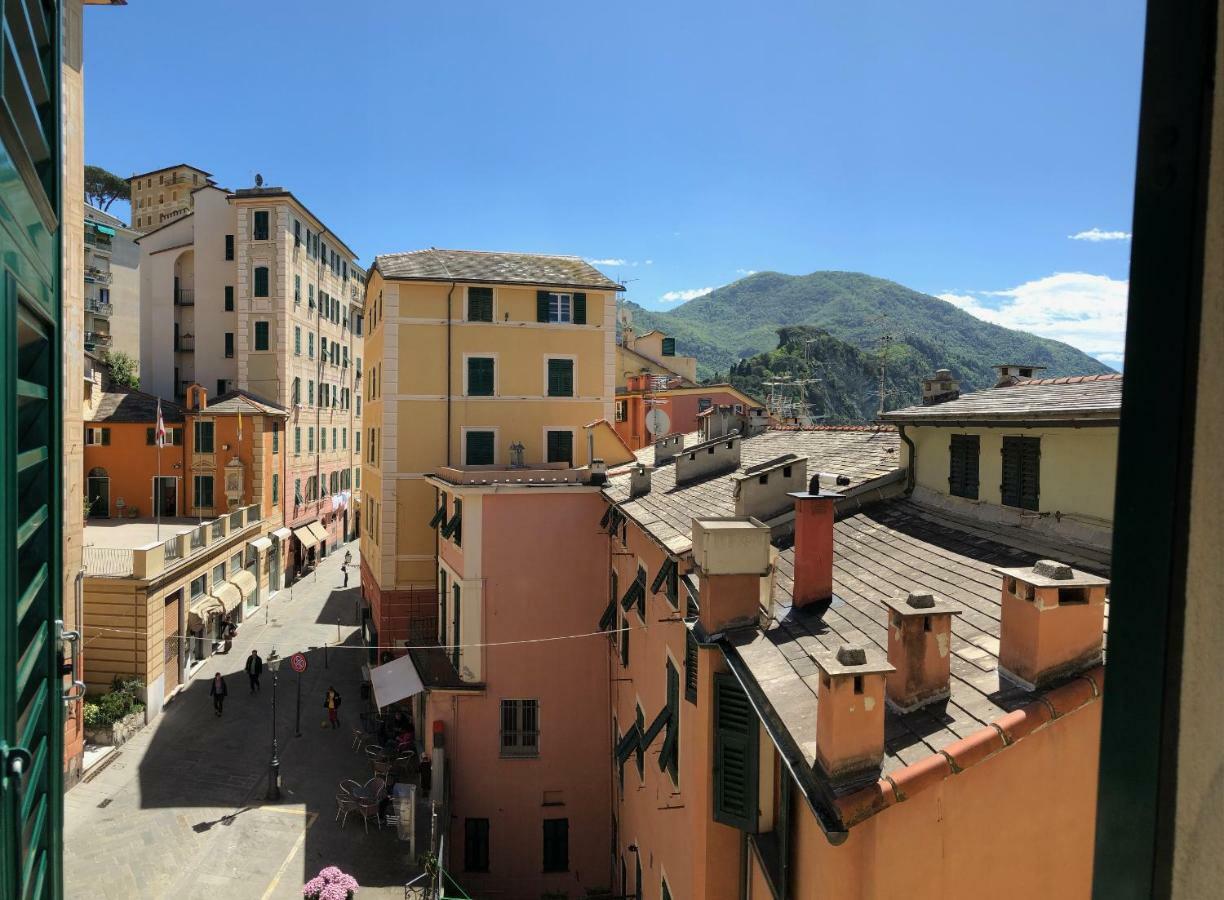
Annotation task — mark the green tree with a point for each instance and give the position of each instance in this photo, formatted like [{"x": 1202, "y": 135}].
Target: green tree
[
  {"x": 102, "y": 188},
  {"x": 124, "y": 370}
]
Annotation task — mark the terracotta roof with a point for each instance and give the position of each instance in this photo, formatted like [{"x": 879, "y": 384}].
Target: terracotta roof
[
  {"x": 892, "y": 548},
  {"x": 168, "y": 168},
  {"x": 667, "y": 511},
  {"x": 1074, "y": 398},
  {"x": 246, "y": 402},
  {"x": 133, "y": 406},
  {"x": 494, "y": 268}
]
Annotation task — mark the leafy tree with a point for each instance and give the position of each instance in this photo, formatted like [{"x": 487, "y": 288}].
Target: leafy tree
[
  {"x": 102, "y": 188},
  {"x": 124, "y": 370}
]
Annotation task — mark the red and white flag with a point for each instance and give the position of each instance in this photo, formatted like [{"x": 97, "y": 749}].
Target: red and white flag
[{"x": 160, "y": 434}]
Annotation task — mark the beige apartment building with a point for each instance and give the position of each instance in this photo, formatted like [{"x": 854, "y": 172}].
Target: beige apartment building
[
  {"x": 163, "y": 195},
  {"x": 249, "y": 290},
  {"x": 112, "y": 285}
]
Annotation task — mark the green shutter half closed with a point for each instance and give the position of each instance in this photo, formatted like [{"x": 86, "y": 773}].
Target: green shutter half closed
[
  {"x": 479, "y": 448},
  {"x": 480, "y": 376},
  {"x": 735, "y": 755},
  {"x": 579, "y": 309},
  {"x": 560, "y": 378},
  {"x": 480, "y": 304},
  {"x": 541, "y": 306},
  {"x": 561, "y": 447}
]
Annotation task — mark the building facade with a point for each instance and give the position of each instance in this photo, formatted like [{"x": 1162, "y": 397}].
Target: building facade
[
  {"x": 651, "y": 407},
  {"x": 112, "y": 286},
  {"x": 163, "y": 195}
]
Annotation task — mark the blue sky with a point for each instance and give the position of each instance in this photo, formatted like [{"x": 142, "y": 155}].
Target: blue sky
[{"x": 953, "y": 147}]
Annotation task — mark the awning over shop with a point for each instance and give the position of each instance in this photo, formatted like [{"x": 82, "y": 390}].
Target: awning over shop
[
  {"x": 199, "y": 612},
  {"x": 317, "y": 529},
  {"x": 246, "y": 582},
  {"x": 395, "y": 681},
  {"x": 228, "y": 594},
  {"x": 103, "y": 229},
  {"x": 282, "y": 534},
  {"x": 306, "y": 536},
  {"x": 262, "y": 545}
]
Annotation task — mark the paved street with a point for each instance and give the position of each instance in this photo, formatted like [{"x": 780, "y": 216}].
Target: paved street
[{"x": 179, "y": 810}]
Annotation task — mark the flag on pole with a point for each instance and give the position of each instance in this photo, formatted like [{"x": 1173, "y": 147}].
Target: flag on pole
[
  {"x": 240, "y": 426},
  {"x": 160, "y": 433}
]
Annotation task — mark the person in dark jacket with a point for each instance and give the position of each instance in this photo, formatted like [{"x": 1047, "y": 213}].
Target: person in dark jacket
[
  {"x": 217, "y": 690},
  {"x": 254, "y": 667},
  {"x": 332, "y": 702}
]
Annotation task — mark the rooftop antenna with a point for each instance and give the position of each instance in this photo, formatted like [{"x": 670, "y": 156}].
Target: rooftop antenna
[{"x": 258, "y": 180}]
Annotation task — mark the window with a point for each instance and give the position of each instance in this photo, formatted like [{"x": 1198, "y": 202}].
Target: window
[
  {"x": 621, "y": 410},
  {"x": 310, "y": 440},
  {"x": 704, "y": 403},
  {"x": 229, "y": 345},
  {"x": 476, "y": 845},
  {"x": 229, "y": 246},
  {"x": 276, "y": 437},
  {"x": 229, "y": 298},
  {"x": 310, "y": 345},
  {"x": 478, "y": 448},
  {"x": 218, "y": 575},
  {"x": 560, "y": 378},
  {"x": 297, "y": 340},
  {"x": 560, "y": 308},
  {"x": 310, "y": 304},
  {"x": 963, "y": 454},
  {"x": 297, "y": 491},
  {"x": 735, "y": 755},
  {"x": 202, "y": 491},
  {"x": 203, "y": 437},
  {"x": 297, "y": 441},
  {"x": 520, "y": 728},
  {"x": 669, "y": 346},
  {"x": 235, "y": 563},
  {"x": 261, "y": 335},
  {"x": 640, "y": 592},
  {"x": 174, "y": 437},
  {"x": 297, "y": 391},
  {"x": 480, "y": 304},
  {"x": 297, "y": 290},
  {"x": 199, "y": 586},
  {"x": 97, "y": 437},
  {"x": 261, "y": 281},
  {"x": 624, "y": 640},
  {"x": 556, "y": 845},
  {"x": 480, "y": 376},
  {"x": 666, "y": 891},
  {"x": 260, "y": 230},
  {"x": 561, "y": 447},
  {"x": 1021, "y": 472},
  {"x": 297, "y": 233},
  {"x": 669, "y": 756},
  {"x": 690, "y": 667},
  {"x": 323, "y": 440}
]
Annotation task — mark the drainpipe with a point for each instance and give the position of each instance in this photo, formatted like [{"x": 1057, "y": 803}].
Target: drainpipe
[
  {"x": 911, "y": 471},
  {"x": 449, "y": 376}
]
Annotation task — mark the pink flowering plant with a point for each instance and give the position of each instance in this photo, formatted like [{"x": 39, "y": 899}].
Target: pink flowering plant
[{"x": 330, "y": 884}]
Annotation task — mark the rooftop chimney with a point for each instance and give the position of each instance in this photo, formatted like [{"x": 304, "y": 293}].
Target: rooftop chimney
[
  {"x": 919, "y": 645},
  {"x": 639, "y": 480},
  {"x": 814, "y": 512},
  {"x": 197, "y": 396},
  {"x": 598, "y": 471},
  {"x": 714, "y": 457},
  {"x": 939, "y": 388},
  {"x": 762, "y": 491},
  {"x": 730, "y": 555},
  {"x": 666, "y": 448},
  {"x": 1010, "y": 373},
  {"x": 756, "y": 420},
  {"x": 1053, "y": 619},
  {"x": 850, "y": 716}
]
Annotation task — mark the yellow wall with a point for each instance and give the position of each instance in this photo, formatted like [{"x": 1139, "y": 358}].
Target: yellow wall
[{"x": 1078, "y": 465}]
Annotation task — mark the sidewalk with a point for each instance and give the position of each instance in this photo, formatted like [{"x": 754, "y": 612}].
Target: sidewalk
[{"x": 179, "y": 811}]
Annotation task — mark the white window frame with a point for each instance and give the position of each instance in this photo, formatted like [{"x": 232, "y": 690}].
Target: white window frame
[
  {"x": 519, "y": 730},
  {"x": 496, "y": 373},
  {"x": 621, "y": 411},
  {"x": 93, "y": 436},
  {"x": 573, "y": 371},
  {"x": 564, "y": 304},
  {"x": 544, "y": 441},
  {"x": 463, "y": 435},
  {"x": 467, "y": 299}
]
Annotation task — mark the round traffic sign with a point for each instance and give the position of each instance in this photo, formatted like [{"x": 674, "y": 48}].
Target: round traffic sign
[{"x": 298, "y": 662}]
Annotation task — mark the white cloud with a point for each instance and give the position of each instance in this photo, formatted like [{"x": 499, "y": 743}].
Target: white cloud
[
  {"x": 610, "y": 262},
  {"x": 682, "y": 296},
  {"x": 1083, "y": 310},
  {"x": 746, "y": 271},
  {"x": 650, "y": 262},
  {"x": 1095, "y": 235}
]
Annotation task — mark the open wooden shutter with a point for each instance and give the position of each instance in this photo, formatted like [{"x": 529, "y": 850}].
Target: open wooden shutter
[
  {"x": 735, "y": 755},
  {"x": 541, "y": 306},
  {"x": 579, "y": 309},
  {"x": 690, "y": 667}
]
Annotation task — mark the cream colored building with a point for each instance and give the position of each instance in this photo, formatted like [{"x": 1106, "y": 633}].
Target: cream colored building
[
  {"x": 112, "y": 285},
  {"x": 472, "y": 359},
  {"x": 652, "y": 353},
  {"x": 163, "y": 195},
  {"x": 249, "y": 290}
]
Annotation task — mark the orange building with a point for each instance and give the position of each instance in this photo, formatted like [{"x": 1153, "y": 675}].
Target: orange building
[{"x": 650, "y": 407}]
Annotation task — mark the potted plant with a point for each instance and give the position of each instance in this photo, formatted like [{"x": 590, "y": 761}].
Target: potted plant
[{"x": 330, "y": 884}]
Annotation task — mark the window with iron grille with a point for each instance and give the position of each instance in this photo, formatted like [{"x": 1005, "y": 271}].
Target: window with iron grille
[
  {"x": 963, "y": 455},
  {"x": 520, "y": 728},
  {"x": 480, "y": 304},
  {"x": 556, "y": 845},
  {"x": 1021, "y": 485}
]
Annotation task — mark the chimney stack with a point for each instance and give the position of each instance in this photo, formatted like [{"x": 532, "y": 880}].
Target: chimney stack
[
  {"x": 731, "y": 555},
  {"x": 1010, "y": 373},
  {"x": 761, "y": 491},
  {"x": 919, "y": 645},
  {"x": 598, "y": 471},
  {"x": 814, "y": 514},
  {"x": 709, "y": 458},
  {"x": 666, "y": 448},
  {"x": 850, "y": 716},
  {"x": 939, "y": 388},
  {"x": 639, "y": 480},
  {"x": 1053, "y": 620}
]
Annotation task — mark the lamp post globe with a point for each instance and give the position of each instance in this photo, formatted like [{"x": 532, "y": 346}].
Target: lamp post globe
[{"x": 274, "y": 767}]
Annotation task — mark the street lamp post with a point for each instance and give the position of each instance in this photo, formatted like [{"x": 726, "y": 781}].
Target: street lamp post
[{"x": 274, "y": 767}]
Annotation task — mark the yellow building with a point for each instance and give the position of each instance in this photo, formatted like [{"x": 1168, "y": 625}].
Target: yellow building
[
  {"x": 164, "y": 195},
  {"x": 472, "y": 359},
  {"x": 652, "y": 353}
]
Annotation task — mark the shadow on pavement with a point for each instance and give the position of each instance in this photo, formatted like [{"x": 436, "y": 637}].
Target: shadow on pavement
[{"x": 343, "y": 606}]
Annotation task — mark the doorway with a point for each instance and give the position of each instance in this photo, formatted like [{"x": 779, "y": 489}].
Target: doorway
[
  {"x": 173, "y": 651},
  {"x": 98, "y": 492},
  {"x": 165, "y": 495}
]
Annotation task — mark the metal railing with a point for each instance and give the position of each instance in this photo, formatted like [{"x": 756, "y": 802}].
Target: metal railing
[
  {"x": 199, "y": 537},
  {"x": 185, "y": 344},
  {"x": 96, "y": 275},
  {"x": 184, "y": 297},
  {"x": 98, "y": 307},
  {"x": 108, "y": 561},
  {"x": 170, "y": 549},
  {"x": 97, "y": 339},
  {"x": 235, "y": 519},
  {"x": 97, "y": 241}
]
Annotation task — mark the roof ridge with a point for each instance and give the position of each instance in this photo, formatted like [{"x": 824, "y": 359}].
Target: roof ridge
[{"x": 485, "y": 253}]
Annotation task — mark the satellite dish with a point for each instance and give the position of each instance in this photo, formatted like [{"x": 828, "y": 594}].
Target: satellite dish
[
  {"x": 258, "y": 180},
  {"x": 658, "y": 422}
]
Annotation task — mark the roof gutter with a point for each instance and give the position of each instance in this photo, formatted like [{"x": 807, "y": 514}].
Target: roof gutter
[
  {"x": 1103, "y": 422},
  {"x": 911, "y": 471}
]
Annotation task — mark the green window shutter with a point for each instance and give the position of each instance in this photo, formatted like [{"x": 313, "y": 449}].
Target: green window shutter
[
  {"x": 640, "y": 595},
  {"x": 669, "y": 755},
  {"x": 579, "y": 309},
  {"x": 105, "y": 437},
  {"x": 561, "y": 447},
  {"x": 229, "y": 246},
  {"x": 480, "y": 304},
  {"x": 261, "y": 335},
  {"x": 608, "y": 617},
  {"x": 275, "y": 488},
  {"x": 1021, "y": 485},
  {"x": 963, "y": 452},
  {"x": 624, "y": 642},
  {"x": 480, "y": 376},
  {"x": 669, "y": 346},
  {"x": 541, "y": 306},
  {"x": 151, "y": 436},
  {"x": 735, "y": 755},
  {"x": 229, "y": 344},
  {"x": 560, "y": 378},
  {"x": 261, "y": 281},
  {"x": 229, "y": 298},
  {"x": 663, "y": 575},
  {"x": 690, "y": 667},
  {"x": 479, "y": 448}
]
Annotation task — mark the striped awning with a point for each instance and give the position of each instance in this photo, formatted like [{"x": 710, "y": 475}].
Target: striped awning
[
  {"x": 201, "y": 610},
  {"x": 306, "y": 536},
  {"x": 228, "y": 594},
  {"x": 317, "y": 529},
  {"x": 246, "y": 582}
]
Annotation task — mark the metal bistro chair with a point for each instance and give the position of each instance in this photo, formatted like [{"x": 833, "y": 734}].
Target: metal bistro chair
[
  {"x": 345, "y": 804},
  {"x": 382, "y": 769},
  {"x": 359, "y": 739},
  {"x": 348, "y": 786},
  {"x": 368, "y": 809},
  {"x": 376, "y": 787}
]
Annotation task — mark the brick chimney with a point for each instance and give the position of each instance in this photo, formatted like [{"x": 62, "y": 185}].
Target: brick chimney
[
  {"x": 1053, "y": 619},
  {"x": 814, "y": 512},
  {"x": 730, "y": 555},
  {"x": 939, "y": 388},
  {"x": 919, "y": 645},
  {"x": 850, "y": 716}
]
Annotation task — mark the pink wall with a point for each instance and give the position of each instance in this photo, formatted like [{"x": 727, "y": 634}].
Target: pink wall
[
  {"x": 680, "y": 408},
  {"x": 545, "y": 574}
]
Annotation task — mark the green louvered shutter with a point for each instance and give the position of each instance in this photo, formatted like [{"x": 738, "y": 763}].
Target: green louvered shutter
[
  {"x": 541, "y": 306},
  {"x": 1021, "y": 485},
  {"x": 963, "y": 452},
  {"x": 735, "y": 756},
  {"x": 579, "y": 309},
  {"x": 480, "y": 376},
  {"x": 31, "y": 405},
  {"x": 690, "y": 667}
]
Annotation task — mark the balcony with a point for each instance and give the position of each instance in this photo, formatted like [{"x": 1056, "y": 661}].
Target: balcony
[
  {"x": 94, "y": 275},
  {"x": 185, "y": 344},
  {"x": 97, "y": 340},
  {"x": 184, "y": 297},
  {"x": 99, "y": 308},
  {"x": 100, "y": 243},
  {"x": 135, "y": 548}
]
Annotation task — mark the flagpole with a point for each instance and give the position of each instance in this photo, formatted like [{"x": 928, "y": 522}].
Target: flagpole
[{"x": 157, "y": 493}]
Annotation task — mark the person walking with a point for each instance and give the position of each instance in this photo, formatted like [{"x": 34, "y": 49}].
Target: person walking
[
  {"x": 254, "y": 668},
  {"x": 344, "y": 572},
  {"x": 332, "y": 702},
  {"x": 348, "y": 557},
  {"x": 218, "y": 691}
]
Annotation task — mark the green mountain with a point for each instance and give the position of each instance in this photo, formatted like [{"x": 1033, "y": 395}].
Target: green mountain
[{"x": 925, "y": 333}]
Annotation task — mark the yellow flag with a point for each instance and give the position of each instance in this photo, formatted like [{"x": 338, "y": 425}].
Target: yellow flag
[{"x": 239, "y": 425}]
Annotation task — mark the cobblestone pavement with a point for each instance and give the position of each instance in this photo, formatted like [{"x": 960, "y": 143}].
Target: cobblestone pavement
[{"x": 178, "y": 810}]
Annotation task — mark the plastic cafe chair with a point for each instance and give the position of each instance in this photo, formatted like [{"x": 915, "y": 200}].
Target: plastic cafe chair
[
  {"x": 345, "y": 804},
  {"x": 375, "y": 752}
]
